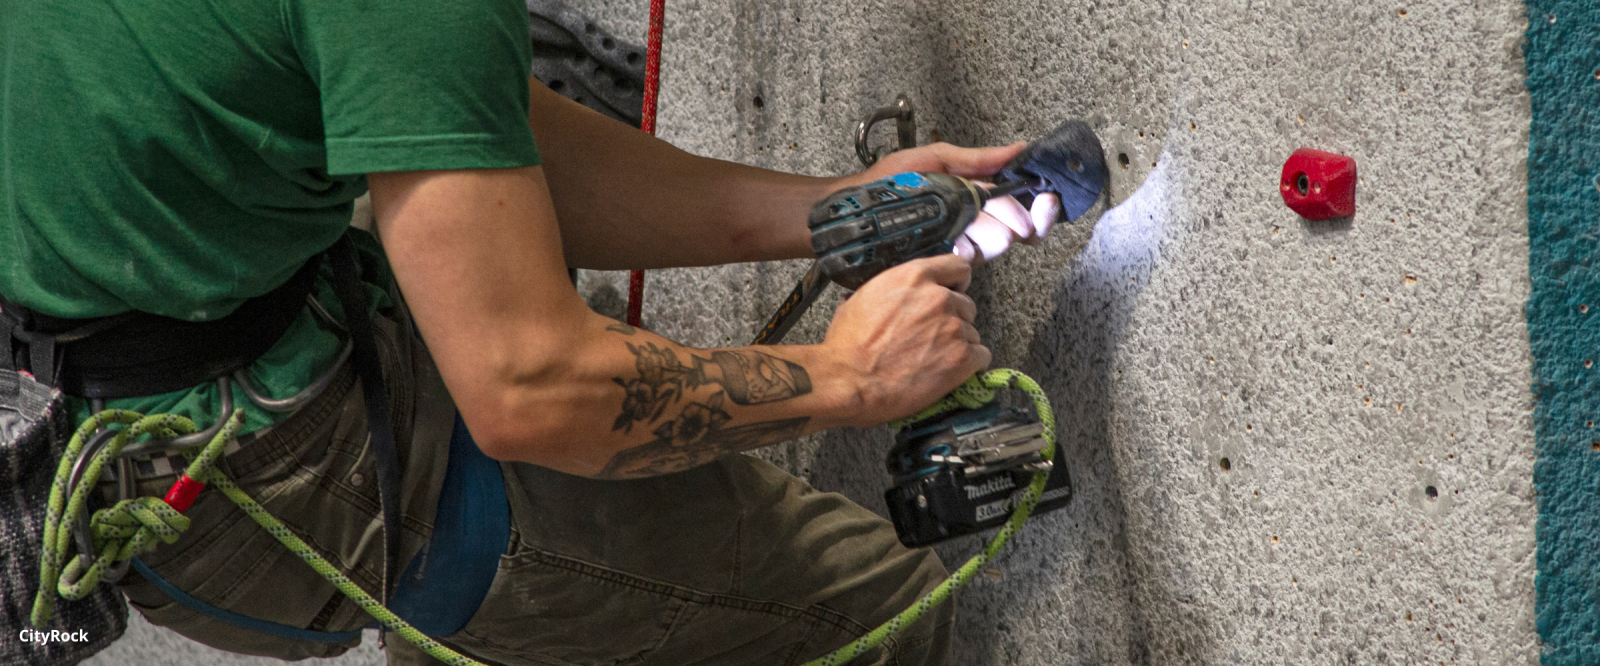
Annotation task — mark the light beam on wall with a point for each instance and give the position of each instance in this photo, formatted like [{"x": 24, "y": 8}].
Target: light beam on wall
[{"x": 1127, "y": 238}]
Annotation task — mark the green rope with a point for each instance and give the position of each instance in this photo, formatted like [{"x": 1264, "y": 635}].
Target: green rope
[
  {"x": 126, "y": 530},
  {"x": 971, "y": 394},
  {"x": 134, "y": 526}
]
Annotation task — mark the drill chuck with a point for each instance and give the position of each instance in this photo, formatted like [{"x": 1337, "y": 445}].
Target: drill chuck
[{"x": 1010, "y": 187}]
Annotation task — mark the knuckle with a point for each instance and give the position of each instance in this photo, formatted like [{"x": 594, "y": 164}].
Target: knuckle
[{"x": 919, "y": 270}]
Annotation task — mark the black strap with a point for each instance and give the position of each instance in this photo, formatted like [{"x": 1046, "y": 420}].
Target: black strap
[
  {"x": 353, "y": 298},
  {"x": 147, "y": 354},
  {"x": 9, "y": 382}
]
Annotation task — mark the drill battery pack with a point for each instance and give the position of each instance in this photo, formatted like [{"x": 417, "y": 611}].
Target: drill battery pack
[{"x": 964, "y": 472}]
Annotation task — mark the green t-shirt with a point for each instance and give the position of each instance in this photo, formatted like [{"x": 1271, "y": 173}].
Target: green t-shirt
[{"x": 181, "y": 156}]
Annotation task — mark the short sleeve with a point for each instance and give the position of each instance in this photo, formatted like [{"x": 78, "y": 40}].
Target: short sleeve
[{"x": 418, "y": 84}]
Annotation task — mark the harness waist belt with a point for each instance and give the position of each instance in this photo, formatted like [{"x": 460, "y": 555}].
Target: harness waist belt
[{"x": 138, "y": 353}]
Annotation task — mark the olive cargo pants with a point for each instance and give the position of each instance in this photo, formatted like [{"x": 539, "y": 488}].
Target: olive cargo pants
[{"x": 734, "y": 562}]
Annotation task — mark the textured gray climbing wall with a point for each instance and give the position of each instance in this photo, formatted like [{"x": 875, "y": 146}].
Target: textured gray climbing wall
[{"x": 1292, "y": 442}]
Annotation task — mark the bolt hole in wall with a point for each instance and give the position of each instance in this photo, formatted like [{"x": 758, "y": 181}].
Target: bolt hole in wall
[
  {"x": 758, "y": 102},
  {"x": 1431, "y": 492},
  {"x": 1122, "y": 160},
  {"x": 1226, "y": 464}
]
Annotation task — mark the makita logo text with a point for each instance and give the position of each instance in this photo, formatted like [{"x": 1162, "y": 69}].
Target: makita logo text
[{"x": 990, "y": 487}]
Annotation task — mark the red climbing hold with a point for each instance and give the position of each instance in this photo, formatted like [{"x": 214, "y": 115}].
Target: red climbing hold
[{"x": 1319, "y": 185}]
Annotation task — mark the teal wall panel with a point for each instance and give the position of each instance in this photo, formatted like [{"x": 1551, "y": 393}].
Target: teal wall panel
[{"x": 1563, "y": 59}]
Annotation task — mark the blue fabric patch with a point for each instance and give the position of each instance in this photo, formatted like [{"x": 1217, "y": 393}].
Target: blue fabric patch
[
  {"x": 447, "y": 581},
  {"x": 1563, "y": 63}
]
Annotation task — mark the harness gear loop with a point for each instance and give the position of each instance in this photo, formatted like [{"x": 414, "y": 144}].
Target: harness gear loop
[
  {"x": 134, "y": 526},
  {"x": 129, "y": 528}
]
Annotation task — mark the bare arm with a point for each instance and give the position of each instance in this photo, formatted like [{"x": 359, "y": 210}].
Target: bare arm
[
  {"x": 628, "y": 200},
  {"x": 538, "y": 377}
]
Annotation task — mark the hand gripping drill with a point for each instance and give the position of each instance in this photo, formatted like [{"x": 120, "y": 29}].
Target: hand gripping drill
[{"x": 859, "y": 232}]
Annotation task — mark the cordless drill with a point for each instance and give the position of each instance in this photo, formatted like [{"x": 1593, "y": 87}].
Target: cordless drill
[
  {"x": 960, "y": 472},
  {"x": 861, "y": 231}
]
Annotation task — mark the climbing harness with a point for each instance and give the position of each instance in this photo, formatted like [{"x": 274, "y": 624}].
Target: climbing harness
[
  {"x": 470, "y": 533},
  {"x": 43, "y": 359},
  {"x": 151, "y": 354},
  {"x": 135, "y": 526}
]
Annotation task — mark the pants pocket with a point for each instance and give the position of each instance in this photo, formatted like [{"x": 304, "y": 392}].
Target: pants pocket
[
  {"x": 547, "y": 609},
  {"x": 262, "y": 581}
]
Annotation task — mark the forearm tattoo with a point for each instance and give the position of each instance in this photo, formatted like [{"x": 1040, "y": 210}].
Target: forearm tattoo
[
  {"x": 698, "y": 436},
  {"x": 699, "y": 433},
  {"x": 751, "y": 377}
]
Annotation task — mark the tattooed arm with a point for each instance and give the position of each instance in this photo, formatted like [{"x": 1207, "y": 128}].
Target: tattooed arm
[
  {"x": 694, "y": 428},
  {"x": 540, "y": 378}
]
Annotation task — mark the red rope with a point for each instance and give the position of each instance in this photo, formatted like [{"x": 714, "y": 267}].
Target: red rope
[{"x": 652, "y": 85}]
